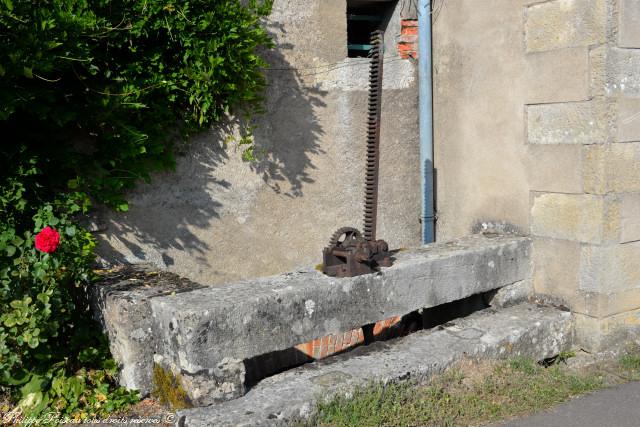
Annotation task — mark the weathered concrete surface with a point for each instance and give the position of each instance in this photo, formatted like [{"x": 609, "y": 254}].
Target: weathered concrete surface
[
  {"x": 199, "y": 329},
  {"x": 217, "y": 219},
  {"x": 121, "y": 304},
  {"x": 525, "y": 329}
]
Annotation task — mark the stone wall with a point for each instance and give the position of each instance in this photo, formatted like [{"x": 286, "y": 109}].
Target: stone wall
[
  {"x": 538, "y": 127},
  {"x": 218, "y": 219},
  {"x": 589, "y": 223}
]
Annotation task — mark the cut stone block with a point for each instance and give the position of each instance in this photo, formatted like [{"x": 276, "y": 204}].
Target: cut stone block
[
  {"x": 568, "y": 123},
  {"x": 578, "y": 217},
  {"x": 596, "y": 334},
  {"x": 628, "y": 120},
  {"x": 558, "y": 76},
  {"x": 555, "y": 168},
  {"x": 629, "y": 31},
  {"x": 613, "y": 168},
  {"x": 565, "y": 23},
  {"x": 630, "y": 218},
  {"x": 623, "y": 76},
  {"x": 556, "y": 270},
  {"x": 524, "y": 330},
  {"x": 610, "y": 268}
]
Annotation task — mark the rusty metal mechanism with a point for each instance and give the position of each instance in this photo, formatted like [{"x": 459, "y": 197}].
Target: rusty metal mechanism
[{"x": 351, "y": 253}]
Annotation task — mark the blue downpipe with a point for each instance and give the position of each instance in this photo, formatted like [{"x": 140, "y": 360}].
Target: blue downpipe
[{"x": 426, "y": 120}]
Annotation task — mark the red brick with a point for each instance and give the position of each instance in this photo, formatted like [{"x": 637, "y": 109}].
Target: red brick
[
  {"x": 306, "y": 348},
  {"x": 409, "y": 40},
  {"x": 409, "y": 31},
  {"x": 409, "y": 22},
  {"x": 407, "y": 51},
  {"x": 331, "y": 350}
]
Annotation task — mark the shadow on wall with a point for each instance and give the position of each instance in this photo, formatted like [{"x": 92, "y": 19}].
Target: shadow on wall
[
  {"x": 177, "y": 211},
  {"x": 286, "y": 143}
]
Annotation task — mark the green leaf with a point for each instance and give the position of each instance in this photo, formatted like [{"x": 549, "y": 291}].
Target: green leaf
[
  {"x": 9, "y": 5},
  {"x": 28, "y": 73},
  {"x": 35, "y": 384}
]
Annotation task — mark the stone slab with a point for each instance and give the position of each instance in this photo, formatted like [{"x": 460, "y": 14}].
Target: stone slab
[
  {"x": 526, "y": 330},
  {"x": 197, "y": 330}
]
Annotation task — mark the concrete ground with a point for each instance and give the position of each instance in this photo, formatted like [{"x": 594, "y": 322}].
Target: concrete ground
[{"x": 613, "y": 407}]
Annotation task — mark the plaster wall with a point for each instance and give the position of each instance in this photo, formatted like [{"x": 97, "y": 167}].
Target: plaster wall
[{"x": 218, "y": 219}]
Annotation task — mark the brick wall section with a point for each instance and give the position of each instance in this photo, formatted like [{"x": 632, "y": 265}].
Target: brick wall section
[
  {"x": 334, "y": 344},
  {"x": 408, "y": 41},
  {"x": 583, "y": 136}
]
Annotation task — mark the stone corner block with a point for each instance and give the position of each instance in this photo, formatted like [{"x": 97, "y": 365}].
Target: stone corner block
[
  {"x": 558, "y": 24},
  {"x": 568, "y": 123},
  {"x": 556, "y": 269},
  {"x": 610, "y": 268},
  {"x": 608, "y": 334},
  {"x": 614, "y": 168},
  {"x": 577, "y": 217}
]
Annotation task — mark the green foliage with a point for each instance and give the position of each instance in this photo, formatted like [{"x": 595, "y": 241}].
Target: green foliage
[
  {"x": 97, "y": 92},
  {"x": 94, "y": 97},
  {"x": 168, "y": 389},
  {"x": 51, "y": 358}
]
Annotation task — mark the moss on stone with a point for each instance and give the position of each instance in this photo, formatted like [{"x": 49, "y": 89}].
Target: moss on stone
[{"x": 168, "y": 389}]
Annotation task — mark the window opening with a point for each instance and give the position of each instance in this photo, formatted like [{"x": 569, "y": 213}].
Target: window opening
[{"x": 363, "y": 18}]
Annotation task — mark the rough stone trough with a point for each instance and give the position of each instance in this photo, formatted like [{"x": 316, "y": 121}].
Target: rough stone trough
[{"x": 206, "y": 333}]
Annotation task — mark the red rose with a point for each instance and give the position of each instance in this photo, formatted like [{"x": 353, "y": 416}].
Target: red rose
[{"x": 47, "y": 240}]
